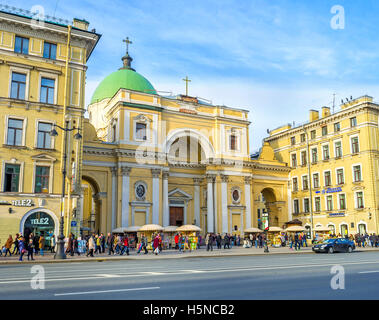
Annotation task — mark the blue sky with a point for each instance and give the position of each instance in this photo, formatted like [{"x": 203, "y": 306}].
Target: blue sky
[{"x": 276, "y": 58}]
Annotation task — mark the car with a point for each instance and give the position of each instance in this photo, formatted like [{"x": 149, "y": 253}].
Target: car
[{"x": 334, "y": 245}]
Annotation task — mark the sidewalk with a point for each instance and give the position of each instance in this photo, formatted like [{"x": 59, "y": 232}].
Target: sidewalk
[{"x": 165, "y": 254}]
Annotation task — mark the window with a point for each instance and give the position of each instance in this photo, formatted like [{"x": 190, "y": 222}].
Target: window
[
  {"x": 305, "y": 182},
  {"x": 342, "y": 201},
  {"x": 296, "y": 206},
  {"x": 294, "y": 184},
  {"x": 357, "y": 174},
  {"x": 12, "y": 177},
  {"x": 306, "y": 205},
  {"x": 21, "y": 45},
  {"x": 359, "y": 196},
  {"x": 293, "y": 141},
  {"x": 114, "y": 130},
  {"x": 354, "y": 145},
  {"x": 337, "y": 127},
  {"x": 329, "y": 203},
  {"x": 42, "y": 180},
  {"x": 324, "y": 130},
  {"x": 338, "y": 149},
  {"x": 313, "y": 134},
  {"x": 302, "y": 137},
  {"x": 141, "y": 131},
  {"x": 43, "y": 136},
  {"x": 303, "y": 158},
  {"x": 18, "y": 86},
  {"x": 14, "y": 136},
  {"x": 233, "y": 142},
  {"x": 314, "y": 155},
  {"x": 49, "y": 50},
  {"x": 293, "y": 160},
  {"x": 316, "y": 180},
  {"x": 317, "y": 204},
  {"x": 47, "y": 90},
  {"x": 344, "y": 230},
  {"x": 353, "y": 122},
  {"x": 328, "y": 181},
  {"x": 340, "y": 177},
  {"x": 325, "y": 152}
]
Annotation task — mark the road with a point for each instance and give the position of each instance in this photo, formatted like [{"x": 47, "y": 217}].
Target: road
[{"x": 303, "y": 276}]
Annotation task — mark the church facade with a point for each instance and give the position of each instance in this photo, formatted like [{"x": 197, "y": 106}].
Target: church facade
[{"x": 174, "y": 160}]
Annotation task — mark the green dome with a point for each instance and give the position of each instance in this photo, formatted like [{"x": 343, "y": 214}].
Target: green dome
[{"x": 125, "y": 79}]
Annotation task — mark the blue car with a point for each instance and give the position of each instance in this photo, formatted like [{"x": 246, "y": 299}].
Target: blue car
[{"x": 335, "y": 245}]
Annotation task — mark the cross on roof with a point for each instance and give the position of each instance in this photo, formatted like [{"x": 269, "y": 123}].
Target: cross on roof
[
  {"x": 186, "y": 80},
  {"x": 127, "y": 41}
]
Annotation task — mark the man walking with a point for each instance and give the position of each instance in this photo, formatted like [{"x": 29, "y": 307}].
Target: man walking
[{"x": 110, "y": 242}]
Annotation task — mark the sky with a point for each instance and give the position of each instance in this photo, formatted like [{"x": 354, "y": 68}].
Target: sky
[{"x": 276, "y": 58}]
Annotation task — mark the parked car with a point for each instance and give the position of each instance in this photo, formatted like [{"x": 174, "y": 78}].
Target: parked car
[{"x": 335, "y": 245}]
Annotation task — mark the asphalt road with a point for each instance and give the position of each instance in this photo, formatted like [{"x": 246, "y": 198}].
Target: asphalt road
[{"x": 303, "y": 276}]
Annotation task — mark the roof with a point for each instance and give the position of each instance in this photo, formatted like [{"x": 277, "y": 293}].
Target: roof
[{"x": 121, "y": 79}]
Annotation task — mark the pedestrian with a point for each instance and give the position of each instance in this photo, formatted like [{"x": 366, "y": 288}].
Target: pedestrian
[
  {"x": 102, "y": 242},
  {"x": 41, "y": 243},
  {"x": 91, "y": 246},
  {"x": 110, "y": 243},
  {"x": 52, "y": 244},
  {"x": 125, "y": 245},
  {"x": 226, "y": 241},
  {"x": 297, "y": 242},
  {"x": 156, "y": 245},
  {"x": 70, "y": 249},
  {"x": 209, "y": 242},
  {"x": 16, "y": 249},
  {"x": 8, "y": 246},
  {"x": 30, "y": 248},
  {"x": 21, "y": 246},
  {"x": 36, "y": 244},
  {"x": 218, "y": 241},
  {"x": 75, "y": 245}
]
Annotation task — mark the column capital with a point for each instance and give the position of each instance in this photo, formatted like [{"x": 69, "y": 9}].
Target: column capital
[
  {"x": 210, "y": 178},
  {"x": 165, "y": 175},
  {"x": 247, "y": 180},
  {"x": 125, "y": 171},
  {"x": 224, "y": 178},
  {"x": 114, "y": 171},
  {"x": 197, "y": 181},
  {"x": 156, "y": 173}
]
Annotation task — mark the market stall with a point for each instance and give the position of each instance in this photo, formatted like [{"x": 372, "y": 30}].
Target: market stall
[
  {"x": 274, "y": 236},
  {"x": 131, "y": 232},
  {"x": 246, "y": 242},
  {"x": 191, "y": 232},
  {"x": 321, "y": 233},
  {"x": 168, "y": 237},
  {"x": 149, "y": 231}
]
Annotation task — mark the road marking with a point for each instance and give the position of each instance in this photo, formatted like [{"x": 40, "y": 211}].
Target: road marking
[
  {"x": 104, "y": 291},
  {"x": 377, "y": 271},
  {"x": 108, "y": 275},
  {"x": 194, "y": 271}
]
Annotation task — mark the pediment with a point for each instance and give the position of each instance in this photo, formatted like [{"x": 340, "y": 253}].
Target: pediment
[
  {"x": 177, "y": 193},
  {"x": 44, "y": 157}
]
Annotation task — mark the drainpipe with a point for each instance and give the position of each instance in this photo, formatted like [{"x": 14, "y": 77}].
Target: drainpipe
[{"x": 310, "y": 181}]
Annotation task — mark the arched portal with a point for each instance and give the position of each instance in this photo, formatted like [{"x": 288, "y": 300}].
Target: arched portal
[
  {"x": 90, "y": 204},
  {"x": 269, "y": 215}
]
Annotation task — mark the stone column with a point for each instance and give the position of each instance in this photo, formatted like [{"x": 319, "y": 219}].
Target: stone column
[
  {"x": 248, "y": 202},
  {"x": 224, "y": 203},
  {"x": 156, "y": 203},
  {"x": 125, "y": 171},
  {"x": 114, "y": 197},
  {"x": 166, "y": 213},
  {"x": 210, "y": 208},
  {"x": 196, "y": 200}
]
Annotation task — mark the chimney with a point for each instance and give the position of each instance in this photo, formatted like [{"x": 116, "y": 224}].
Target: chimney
[
  {"x": 80, "y": 24},
  {"x": 325, "y": 112},
  {"x": 313, "y": 115}
]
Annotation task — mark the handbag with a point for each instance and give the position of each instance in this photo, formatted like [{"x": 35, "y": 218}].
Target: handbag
[{"x": 23, "y": 251}]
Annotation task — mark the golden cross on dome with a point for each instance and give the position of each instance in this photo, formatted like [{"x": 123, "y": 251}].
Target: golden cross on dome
[
  {"x": 127, "y": 41},
  {"x": 186, "y": 80}
]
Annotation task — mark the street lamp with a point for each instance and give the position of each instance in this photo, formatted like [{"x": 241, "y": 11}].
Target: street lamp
[
  {"x": 266, "y": 231},
  {"x": 60, "y": 254}
]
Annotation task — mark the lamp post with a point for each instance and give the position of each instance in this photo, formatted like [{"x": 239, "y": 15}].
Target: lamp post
[
  {"x": 266, "y": 231},
  {"x": 60, "y": 254}
]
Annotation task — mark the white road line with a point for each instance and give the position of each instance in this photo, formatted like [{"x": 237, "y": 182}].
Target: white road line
[
  {"x": 377, "y": 271},
  {"x": 108, "y": 275},
  {"x": 104, "y": 291}
]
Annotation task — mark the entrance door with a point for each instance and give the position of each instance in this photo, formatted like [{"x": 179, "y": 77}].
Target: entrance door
[
  {"x": 176, "y": 216},
  {"x": 40, "y": 223}
]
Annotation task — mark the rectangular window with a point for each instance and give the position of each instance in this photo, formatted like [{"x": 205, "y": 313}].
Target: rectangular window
[
  {"x": 340, "y": 177},
  {"x": 43, "y": 136},
  {"x": 359, "y": 196},
  {"x": 329, "y": 203},
  {"x": 316, "y": 180},
  {"x": 21, "y": 45},
  {"x": 294, "y": 184},
  {"x": 353, "y": 122},
  {"x": 47, "y": 90},
  {"x": 342, "y": 201},
  {"x": 12, "y": 177},
  {"x": 306, "y": 205},
  {"x": 337, "y": 127},
  {"x": 114, "y": 130},
  {"x": 293, "y": 141},
  {"x": 233, "y": 142},
  {"x": 354, "y": 145},
  {"x": 49, "y": 50},
  {"x": 305, "y": 182},
  {"x": 302, "y": 137},
  {"x": 338, "y": 149},
  {"x": 42, "y": 179},
  {"x": 14, "y": 136},
  {"x": 317, "y": 204},
  {"x": 313, "y": 134},
  {"x": 324, "y": 130},
  {"x": 328, "y": 181},
  {"x": 303, "y": 158},
  {"x": 18, "y": 86},
  {"x": 314, "y": 155},
  {"x": 325, "y": 152},
  {"x": 296, "y": 206},
  {"x": 357, "y": 173},
  {"x": 293, "y": 160},
  {"x": 141, "y": 131}
]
